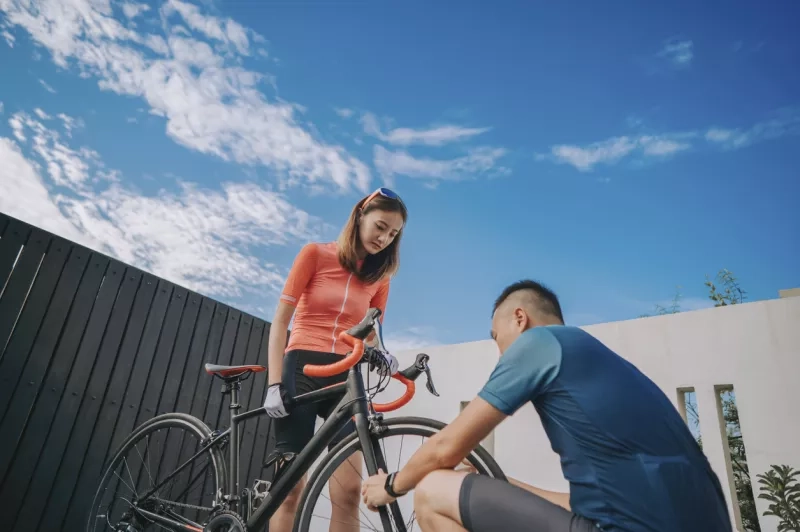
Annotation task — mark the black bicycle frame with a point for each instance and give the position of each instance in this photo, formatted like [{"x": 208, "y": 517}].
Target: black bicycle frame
[{"x": 352, "y": 405}]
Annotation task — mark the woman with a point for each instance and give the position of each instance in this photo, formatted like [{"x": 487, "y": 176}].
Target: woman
[{"x": 329, "y": 290}]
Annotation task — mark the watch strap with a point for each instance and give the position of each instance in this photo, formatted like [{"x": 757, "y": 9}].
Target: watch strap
[{"x": 389, "y": 486}]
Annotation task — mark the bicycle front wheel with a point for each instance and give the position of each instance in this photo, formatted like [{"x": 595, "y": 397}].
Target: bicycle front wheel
[{"x": 319, "y": 509}]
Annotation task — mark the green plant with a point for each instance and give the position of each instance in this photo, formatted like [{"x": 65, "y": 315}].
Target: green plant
[
  {"x": 781, "y": 488},
  {"x": 729, "y": 291}
]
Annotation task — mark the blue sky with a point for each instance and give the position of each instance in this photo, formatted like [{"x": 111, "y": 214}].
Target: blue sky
[{"x": 612, "y": 152}]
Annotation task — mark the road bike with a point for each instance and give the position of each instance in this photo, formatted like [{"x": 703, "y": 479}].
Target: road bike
[{"x": 152, "y": 500}]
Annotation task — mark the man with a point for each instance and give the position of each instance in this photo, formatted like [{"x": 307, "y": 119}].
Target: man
[{"x": 628, "y": 456}]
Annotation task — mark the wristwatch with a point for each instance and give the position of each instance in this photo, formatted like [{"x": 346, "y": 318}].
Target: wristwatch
[{"x": 389, "y": 486}]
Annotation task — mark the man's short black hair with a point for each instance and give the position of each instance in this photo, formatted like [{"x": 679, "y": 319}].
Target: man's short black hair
[{"x": 545, "y": 299}]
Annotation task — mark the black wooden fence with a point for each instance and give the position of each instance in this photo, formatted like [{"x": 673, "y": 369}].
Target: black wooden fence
[{"x": 89, "y": 349}]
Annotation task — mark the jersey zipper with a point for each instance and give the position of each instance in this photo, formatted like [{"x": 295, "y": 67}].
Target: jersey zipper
[{"x": 336, "y": 321}]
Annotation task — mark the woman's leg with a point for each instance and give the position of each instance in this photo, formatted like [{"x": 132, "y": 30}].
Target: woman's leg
[
  {"x": 292, "y": 434},
  {"x": 283, "y": 518},
  {"x": 345, "y": 491}
]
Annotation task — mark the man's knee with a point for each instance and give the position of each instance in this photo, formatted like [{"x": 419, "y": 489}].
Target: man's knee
[{"x": 439, "y": 493}]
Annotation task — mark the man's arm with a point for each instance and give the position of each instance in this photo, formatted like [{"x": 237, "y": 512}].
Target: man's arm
[
  {"x": 448, "y": 447},
  {"x": 525, "y": 370}
]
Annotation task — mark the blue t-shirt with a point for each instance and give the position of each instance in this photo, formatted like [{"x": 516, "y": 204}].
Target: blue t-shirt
[{"x": 629, "y": 457}]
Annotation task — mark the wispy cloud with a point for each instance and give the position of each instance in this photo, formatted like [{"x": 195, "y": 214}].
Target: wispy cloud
[
  {"x": 658, "y": 147},
  {"x": 205, "y": 239},
  {"x": 432, "y": 136},
  {"x": 190, "y": 73},
  {"x": 47, "y": 87},
  {"x": 410, "y": 338},
  {"x": 678, "y": 52},
  {"x": 343, "y": 112},
  {"x": 477, "y": 161},
  {"x": 784, "y": 122},
  {"x": 612, "y": 150}
]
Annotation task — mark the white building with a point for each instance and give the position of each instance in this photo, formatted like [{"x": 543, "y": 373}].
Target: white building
[{"x": 753, "y": 348}]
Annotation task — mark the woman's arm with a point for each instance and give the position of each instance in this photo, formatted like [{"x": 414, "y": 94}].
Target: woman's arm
[
  {"x": 303, "y": 269},
  {"x": 277, "y": 342}
]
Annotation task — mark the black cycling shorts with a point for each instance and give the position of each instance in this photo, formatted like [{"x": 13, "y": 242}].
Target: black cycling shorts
[
  {"x": 293, "y": 432},
  {"x": 490, "y": 505}
]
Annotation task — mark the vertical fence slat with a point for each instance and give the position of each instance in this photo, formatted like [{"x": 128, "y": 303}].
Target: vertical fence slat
[
  {"x": 40, "y": 446},
  {"x": 250, "y": 401},
  {"x": 30, "y": 320},
  {"x": 264, "y": 435},
  {"x": 15, "y": 234},
  {"x": 16, "y": 292},
  {"x": 30, "y": 389}
]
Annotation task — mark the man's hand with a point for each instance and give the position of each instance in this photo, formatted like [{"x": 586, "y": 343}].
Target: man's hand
[
  {"x": 466, "y": 466},
  {"x": 373, "y": 491}
]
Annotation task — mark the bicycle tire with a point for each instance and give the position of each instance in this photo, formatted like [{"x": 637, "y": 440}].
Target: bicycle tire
[
  {"x": 169, "y": 420},
  {"x": 406, "y": 425}
]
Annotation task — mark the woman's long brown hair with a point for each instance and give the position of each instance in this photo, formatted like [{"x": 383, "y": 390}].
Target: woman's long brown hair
[{"x": 382, "y": 264}]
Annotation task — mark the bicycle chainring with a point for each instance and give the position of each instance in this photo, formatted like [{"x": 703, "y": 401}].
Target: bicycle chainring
[{"x": 225, "y": 521}]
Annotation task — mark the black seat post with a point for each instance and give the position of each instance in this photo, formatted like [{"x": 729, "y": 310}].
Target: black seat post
[{"x": 232, "y": 386}]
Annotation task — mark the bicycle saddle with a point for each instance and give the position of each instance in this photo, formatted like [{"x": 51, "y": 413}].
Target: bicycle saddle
[{"x": 227, "y": 372}]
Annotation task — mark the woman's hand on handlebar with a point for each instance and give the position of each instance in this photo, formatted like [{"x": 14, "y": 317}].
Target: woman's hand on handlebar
[{"x": 389, "y": 363}]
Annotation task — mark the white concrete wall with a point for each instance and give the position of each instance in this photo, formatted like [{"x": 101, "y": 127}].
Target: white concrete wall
[{"x": 755, "y": 347}]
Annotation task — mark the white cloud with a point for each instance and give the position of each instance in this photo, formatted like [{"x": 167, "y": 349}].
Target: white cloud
[
  {"x": 784, "y": 122},
  {"x": 409, "y": 339},
  {"x": 207, "y": 240},
  {"x": 434, "y": 136},
  {"x": 477, "y": 161},
  {"x": 209, "y": 101},
  {"x": 47, "y": 87},
  {"x": 343, "y": 112},
  {"x": 611, "y": 151},
  {"x": 678, "y": 52},
  {"x": 132, "y": 10},
  {"x": 8, "y": 38},
  {"x": 662, "y": 146},
  {"x": 584, "y": 158}
]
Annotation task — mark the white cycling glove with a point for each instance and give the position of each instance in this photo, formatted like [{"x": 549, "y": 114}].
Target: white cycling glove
[
  {"x": 273, "y": 402},
  {"x": 391, "y": 363}
]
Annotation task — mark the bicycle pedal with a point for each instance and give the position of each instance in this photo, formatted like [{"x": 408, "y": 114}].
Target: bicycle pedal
[{"x": 260, "y": 489}]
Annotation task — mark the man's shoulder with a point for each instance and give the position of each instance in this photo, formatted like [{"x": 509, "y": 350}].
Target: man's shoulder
[{"x": 534, "y": 347}]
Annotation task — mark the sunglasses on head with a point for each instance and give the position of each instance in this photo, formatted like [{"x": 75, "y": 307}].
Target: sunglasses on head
[{"x": 385, "y": 192}]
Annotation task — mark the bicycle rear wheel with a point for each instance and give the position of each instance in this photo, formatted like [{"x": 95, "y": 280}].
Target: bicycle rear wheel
[
  {"x": 406, "y": 435},
  {"x": 149, "y": 455}
]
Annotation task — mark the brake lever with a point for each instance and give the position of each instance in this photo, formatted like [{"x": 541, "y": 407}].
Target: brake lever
[{"x": 429, "y": 383}]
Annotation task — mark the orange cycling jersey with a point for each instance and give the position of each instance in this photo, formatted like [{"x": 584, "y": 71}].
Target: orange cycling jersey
[{"x": 328, "y": 299}]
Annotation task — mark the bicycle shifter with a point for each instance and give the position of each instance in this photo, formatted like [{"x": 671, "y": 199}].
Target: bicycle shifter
[{"x": 429, "y": 382}]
